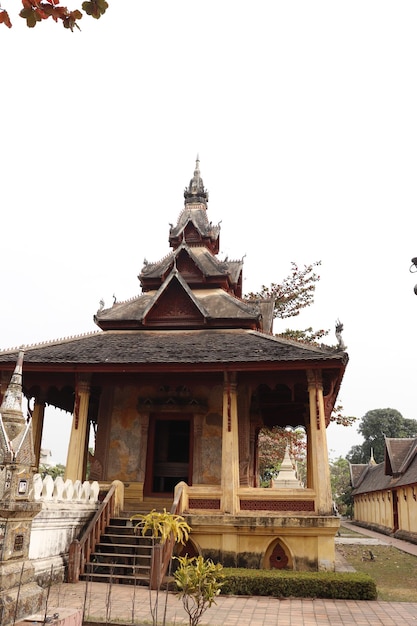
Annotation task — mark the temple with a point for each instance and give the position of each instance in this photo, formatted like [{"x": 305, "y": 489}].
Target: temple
[{"x": 177, "y": 384}]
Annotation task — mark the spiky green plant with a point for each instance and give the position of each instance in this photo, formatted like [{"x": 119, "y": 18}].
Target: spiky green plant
[
  {"x": 199, "y": 583},
  {"x": 162, "y": 526}
]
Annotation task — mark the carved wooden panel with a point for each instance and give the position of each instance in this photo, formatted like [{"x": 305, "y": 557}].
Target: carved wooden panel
[{"x": 201, "y": 503}]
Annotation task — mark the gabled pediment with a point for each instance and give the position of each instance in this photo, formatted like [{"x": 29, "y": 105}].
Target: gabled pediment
[
  {"x": 398, "y": 453},
  {"x": 188, "y": 268},
  {"x": 174, "y": 305},
  {"x": 192, "y": 234},
  {"x": 193, "y": 227}
]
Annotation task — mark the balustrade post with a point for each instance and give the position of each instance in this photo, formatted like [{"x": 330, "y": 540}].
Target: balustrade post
[{"x": 74, "y": 561}]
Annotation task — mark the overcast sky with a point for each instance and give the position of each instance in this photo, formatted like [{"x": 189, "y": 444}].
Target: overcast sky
[{"x": 304, "y": 115}]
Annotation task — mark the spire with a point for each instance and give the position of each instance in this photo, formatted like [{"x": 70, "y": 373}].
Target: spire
[
  {"x": 11, "y": 412},
  {"x": 195, "y": 192}
]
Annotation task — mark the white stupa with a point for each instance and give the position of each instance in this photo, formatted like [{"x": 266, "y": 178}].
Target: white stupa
[{"x": 287, "y": 477}]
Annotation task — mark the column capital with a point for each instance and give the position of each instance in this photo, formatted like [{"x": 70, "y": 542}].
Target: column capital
[
  {"x": 230, "y": 379},
  {"x": 83, "y": 383},
  {"x": 314, "y": 379}
]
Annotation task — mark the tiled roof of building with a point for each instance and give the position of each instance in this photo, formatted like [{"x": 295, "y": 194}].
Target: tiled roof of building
[
  {"x": 376, "y": 477},
  {"x": 396, "y": 452},
  {"x": 213, "y": 303},
  {"x": 197, "y": 214},
  {"x": 174, "y": 347},
  {"x": 357, "y": 472},
  {"x": 373, "y": 479},
  {"x": 209, "y": 264}
]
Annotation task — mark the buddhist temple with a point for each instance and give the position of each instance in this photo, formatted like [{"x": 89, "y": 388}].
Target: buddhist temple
[{"x": 176, "y": 384}]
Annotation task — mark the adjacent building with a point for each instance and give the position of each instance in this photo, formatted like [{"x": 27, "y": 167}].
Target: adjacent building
[{"x": 385, "y": 495}]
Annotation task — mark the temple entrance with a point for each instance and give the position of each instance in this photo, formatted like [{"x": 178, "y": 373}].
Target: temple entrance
[{"x": 169, "y": 453}]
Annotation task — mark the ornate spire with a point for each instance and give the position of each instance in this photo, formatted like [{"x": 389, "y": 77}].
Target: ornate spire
[
  {"x": 195, "y": 192},
  {"x": 11, "y": 412}
]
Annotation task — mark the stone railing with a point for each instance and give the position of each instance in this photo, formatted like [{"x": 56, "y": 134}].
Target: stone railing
[{"x": 47, "y": 489}]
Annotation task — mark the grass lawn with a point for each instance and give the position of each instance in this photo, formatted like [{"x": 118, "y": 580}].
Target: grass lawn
[
  {"x": 394, "y": 572},
  {"x": 347, "y": 532}
]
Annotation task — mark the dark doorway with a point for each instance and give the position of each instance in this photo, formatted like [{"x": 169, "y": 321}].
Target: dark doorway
[
  {"x": 169, "y": 454},
  {"x": 395, "y": 510}
]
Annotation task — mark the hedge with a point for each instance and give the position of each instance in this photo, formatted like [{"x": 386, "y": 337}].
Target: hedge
[{"x": 285, "y": 584}]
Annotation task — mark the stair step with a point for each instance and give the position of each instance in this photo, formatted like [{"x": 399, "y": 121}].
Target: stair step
[
  {"x": 134, "y": 539},
  {"x": 125, "y": 544},
  {"x": 122, "y": 530},
  {"x": 119, "y": 578},
  {"x": 125, "y": 559},
  {"x": 117, "y": 567},
  {"x": 122, "y": 555}
]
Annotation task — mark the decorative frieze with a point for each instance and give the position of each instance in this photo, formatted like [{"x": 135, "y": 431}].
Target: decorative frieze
[
  {"x": 203, "y": 503},
  {"x": 277, "y": 505}
]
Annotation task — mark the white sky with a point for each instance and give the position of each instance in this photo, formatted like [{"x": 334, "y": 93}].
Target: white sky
[{"x": 304, "y": 115}]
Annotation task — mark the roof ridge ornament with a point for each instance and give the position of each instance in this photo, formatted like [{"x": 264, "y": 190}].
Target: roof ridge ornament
[
  {"x": 339, "y": 329},
  {"x": 195, "y": 193}
]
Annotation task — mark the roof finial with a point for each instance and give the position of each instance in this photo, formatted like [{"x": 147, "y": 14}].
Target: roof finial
[{"x": 195, "y": 192}]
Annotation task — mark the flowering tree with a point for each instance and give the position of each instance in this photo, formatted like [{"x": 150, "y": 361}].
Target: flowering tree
[{"x": 35, "y": 11}]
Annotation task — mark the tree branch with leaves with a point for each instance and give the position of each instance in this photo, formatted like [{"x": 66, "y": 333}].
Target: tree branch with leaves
[
  {"x": 35, "y": 11},
  {"x": 293, "y": 294}
]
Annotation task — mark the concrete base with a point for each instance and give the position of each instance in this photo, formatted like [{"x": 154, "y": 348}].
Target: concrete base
[
  {"x": 20, "y": 595},
  {"x": 55, "y": 616},
  {"x": 301, "y": 543},
  {"x": 17, "y": 603}
]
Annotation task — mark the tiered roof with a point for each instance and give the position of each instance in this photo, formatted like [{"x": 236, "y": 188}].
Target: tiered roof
[{"x": 190, "y": 287}]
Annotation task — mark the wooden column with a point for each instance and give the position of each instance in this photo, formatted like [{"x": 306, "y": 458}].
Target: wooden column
[
  {"x": 78, "y": 439},
  {"x": 230, "y": 446},
  {"x": 38, "y": 415},
  {"x": 318, "y": 461}
]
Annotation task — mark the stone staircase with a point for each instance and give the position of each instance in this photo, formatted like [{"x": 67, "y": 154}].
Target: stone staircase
[{"x": 123, "y": 556}]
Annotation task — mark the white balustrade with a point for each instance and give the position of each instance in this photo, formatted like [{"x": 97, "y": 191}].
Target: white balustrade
[{"x": 49, "y": 490}]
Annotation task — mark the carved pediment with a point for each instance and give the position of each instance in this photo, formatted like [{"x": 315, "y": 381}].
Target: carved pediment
[
  {"x": 188, "y": 268},
  {"x": 174, "y": 304}
]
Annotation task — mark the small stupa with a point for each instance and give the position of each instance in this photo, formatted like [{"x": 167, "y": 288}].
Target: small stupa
[{"x": 287, "y": 476}]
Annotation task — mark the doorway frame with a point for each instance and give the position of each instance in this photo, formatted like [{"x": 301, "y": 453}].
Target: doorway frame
[{"x": 178, "y": 416}]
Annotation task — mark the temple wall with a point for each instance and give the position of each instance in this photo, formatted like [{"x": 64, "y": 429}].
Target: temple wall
[
  {"x": 121, "y": 431},
  {"x": 125, "y": 436},
  {"x": 375, "y": 510},
  {"x": 306, "y": 543},
  {"x": 212, "y": 450},
  {"x": 407, "y": 508}
]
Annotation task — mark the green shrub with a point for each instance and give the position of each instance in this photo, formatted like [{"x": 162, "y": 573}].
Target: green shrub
[
  {"x": 199, "y": 583},
  {"x": 285, "y": 584}
]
